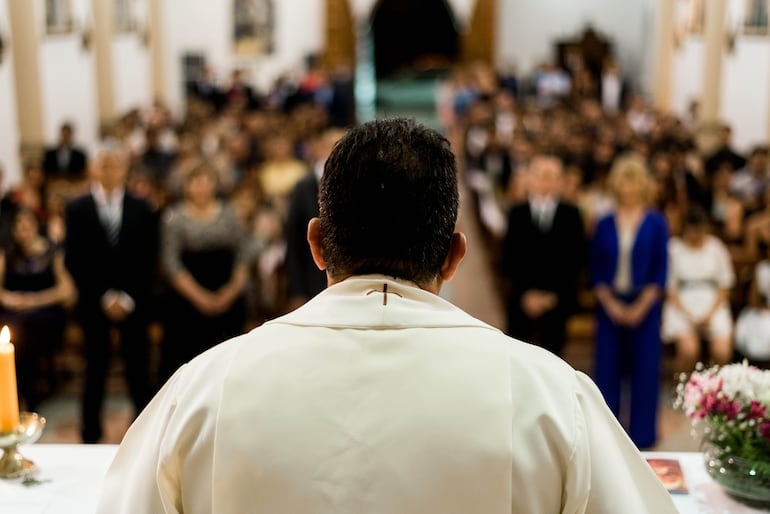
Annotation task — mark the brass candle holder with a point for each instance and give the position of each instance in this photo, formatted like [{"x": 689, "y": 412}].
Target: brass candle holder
[{"x": 12, "y": 463}]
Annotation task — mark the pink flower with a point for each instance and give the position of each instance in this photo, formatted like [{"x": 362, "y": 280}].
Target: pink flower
[
  {"x": 728, "y": 408},
  {"x": 764, "y": 428},
  {"x": 756, "y": 410},
  {"x": 710, "y": 402}
]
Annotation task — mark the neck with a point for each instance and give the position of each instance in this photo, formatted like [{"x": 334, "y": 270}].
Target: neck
[
  {"x": 31, "y": 245},
  {"x": 201, "y": 206},
  {"x": 110, "y": 188},
  {"x": 434, "y": 286},
  {"x": 630, "y": 207}
]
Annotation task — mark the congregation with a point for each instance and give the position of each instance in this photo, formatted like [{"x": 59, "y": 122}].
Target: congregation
[
  {"x": 197, "y": 224},
  {"x": 594, "y": 202}
]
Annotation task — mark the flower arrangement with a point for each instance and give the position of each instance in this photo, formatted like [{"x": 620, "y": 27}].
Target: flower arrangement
[
  {"x": 731, "y": 406},
  {"x": 733, "y": 402}
]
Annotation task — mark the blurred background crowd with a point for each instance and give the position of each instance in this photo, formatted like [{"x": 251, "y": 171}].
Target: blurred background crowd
[{"x": 181, "y": 231}]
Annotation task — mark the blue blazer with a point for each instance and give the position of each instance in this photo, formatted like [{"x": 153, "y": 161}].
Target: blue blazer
[{"x": 649, "y": 255}]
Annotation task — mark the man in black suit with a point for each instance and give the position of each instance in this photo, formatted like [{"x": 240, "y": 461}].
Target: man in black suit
[
  {"x": 543, "y": 254},
  {"x": 206, "y": 90},
  {"x": 7, "y": 213},
  {"x": 724, "y": 153},
  {"x": 111, "y": 252},
  {"x": 612, "y": 88},
  {"x": 304, "y": 278},
  {"x": 65, "y": 160}
]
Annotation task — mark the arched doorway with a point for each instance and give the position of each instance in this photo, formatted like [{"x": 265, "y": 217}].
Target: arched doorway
[
  {"x": 350, "y": 37},
  {"x": 412, "y": 36}
]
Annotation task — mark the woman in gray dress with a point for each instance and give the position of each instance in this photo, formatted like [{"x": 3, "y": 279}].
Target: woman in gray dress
[{"x": 204, "y": 258}]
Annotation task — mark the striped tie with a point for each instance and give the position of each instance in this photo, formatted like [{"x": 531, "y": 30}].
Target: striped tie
[{"x": 112, "y": 223}]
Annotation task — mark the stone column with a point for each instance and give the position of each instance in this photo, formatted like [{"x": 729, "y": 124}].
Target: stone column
[
  {"x": 104, "y": 28},
  {"x": 714, "y": 48},
  {"x": 157, "y": 54},
  {"x": 664, "y": 56},
  {"x": 25, "y": 45}
]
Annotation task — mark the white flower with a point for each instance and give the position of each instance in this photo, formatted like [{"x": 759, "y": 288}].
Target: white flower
[
  {"x": 764, "y": 398},
  {"x": 744, "y": 382}
]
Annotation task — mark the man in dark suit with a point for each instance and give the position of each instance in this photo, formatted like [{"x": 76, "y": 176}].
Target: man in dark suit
[
  {"x": 724, "y": 153},
  {"x": 7, "y": 213},
  {"x": 111, "y": 252},
  {"x": 304, "y": 278},
  {"x": 543, "y": 254},
  {"x": 613, "y": 88},
  {"x": 65, "y": 160},
  {"x": 206, "y": 90}
]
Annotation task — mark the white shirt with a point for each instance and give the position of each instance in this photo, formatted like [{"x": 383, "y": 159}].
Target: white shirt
[
  {"x": 109, "y": 205},
  {"x": 543, "y": 208},
  {"x": 318, "y": 170},
  {"x": 63, "y": 156},
  {"x": 360, "y": 402},
  {"x": 623, "y": 281},
  {"x": 611, "y": 88},
  {"x": 110, "y": 209}
]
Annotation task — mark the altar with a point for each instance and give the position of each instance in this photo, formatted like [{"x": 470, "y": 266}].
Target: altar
[{"x": 70, "y": 478}]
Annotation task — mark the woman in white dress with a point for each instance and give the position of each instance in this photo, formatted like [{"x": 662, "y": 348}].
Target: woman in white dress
[{"x": 700, "y": 278}]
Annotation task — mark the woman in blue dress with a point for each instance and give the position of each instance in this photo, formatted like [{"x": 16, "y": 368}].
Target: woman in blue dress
[{"x": 628, "y": 276}]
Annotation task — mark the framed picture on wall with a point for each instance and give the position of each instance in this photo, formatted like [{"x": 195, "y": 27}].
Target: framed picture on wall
[
  {"x": 696, "y": 16},
  {"x": 58, "y": 16},
  {"x": 690, "y": 17},
  {"x": 124, "y": 16},
  {"x": 755, "y": 20},
  {"x": 253, "y": 26}
]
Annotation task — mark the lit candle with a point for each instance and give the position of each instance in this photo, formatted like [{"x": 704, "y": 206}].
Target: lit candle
[{"x": 9, "y": 398}]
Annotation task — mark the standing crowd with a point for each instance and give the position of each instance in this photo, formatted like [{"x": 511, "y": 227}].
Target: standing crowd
[
  {"x": 193, "y": 225},
  {"x": 198, "y": 225},
  {"x": 590, "y": 199}
]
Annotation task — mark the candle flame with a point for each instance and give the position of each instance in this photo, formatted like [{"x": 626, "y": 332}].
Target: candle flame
[{"x": 5, "y": 335}]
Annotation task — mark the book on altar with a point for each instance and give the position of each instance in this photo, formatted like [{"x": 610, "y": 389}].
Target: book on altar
[{"x": 669, "y": 471}]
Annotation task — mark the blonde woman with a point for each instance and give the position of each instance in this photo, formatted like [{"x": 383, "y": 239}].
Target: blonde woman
[{"x": 628, "y": 274}]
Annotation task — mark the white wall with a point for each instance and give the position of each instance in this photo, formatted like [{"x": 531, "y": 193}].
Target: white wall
[
  {"x": 527, "y": 30},
  {"x": 68, "y": 80},
  {"x": 744, "y": 93},
  {"x": 206, "y": 27},
  {"x": 132, "y": 87},
  {"x": 687, "y": 74},
  {"x": 68, "y": 84},
  {"x": 197, "y": 26},
  {"x": 9, "y": 134}
]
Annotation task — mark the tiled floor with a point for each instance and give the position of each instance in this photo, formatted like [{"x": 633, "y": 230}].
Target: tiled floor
[{"x": 473, "y": 289}]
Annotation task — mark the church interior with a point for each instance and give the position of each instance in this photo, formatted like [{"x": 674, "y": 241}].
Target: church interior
[{"x": 259, "y": 90}]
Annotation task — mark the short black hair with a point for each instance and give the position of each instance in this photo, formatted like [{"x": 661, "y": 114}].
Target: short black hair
[
  {"x": 388, "y": 201},
  {"x": 695, "y": 217}
]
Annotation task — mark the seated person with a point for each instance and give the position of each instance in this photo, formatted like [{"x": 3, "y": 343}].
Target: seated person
[
  {"x": 699, "y": 282},
  {"x": 752, "y": 329},
  {"x": 35, "y": 287}
]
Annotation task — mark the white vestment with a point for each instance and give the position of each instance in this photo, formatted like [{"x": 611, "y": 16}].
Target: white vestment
[{"x": 366, "y": 402}]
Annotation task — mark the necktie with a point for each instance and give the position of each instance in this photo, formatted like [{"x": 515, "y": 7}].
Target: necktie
[
  {"x": 544, "y": 217},
  {"x": 112, "y": 224}
]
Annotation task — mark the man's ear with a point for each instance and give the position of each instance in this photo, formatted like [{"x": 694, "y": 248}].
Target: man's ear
[
  {"x": 457, "y": 248},
  {"x": 314, "y": 240}
]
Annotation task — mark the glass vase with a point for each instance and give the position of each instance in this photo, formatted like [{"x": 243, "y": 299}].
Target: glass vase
[{"x": 744, "y": 480}]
